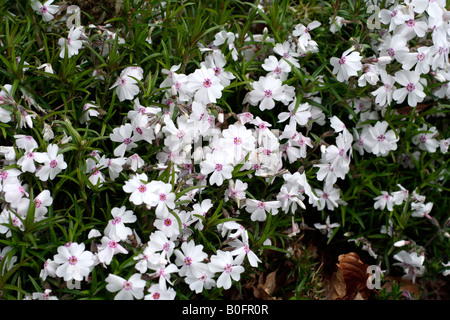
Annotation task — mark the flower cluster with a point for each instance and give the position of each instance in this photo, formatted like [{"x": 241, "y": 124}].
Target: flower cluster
[{"x": 180, "y": 153}]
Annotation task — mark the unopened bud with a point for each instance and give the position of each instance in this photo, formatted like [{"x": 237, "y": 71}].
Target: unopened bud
[
  {"x": 301, "y": 204},
  {"x": 440, "y": 77},
  {"x": 157, "y": 128},
  {"x": 384, "y": 60},
  {"x": 220, "y": 117},
  {"x": 401, "y": 243}
]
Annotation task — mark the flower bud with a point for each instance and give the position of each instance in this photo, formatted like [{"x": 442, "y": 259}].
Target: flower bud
[
  {"x": 384, "y": 60},
  {"x": 401, "y": 243}
]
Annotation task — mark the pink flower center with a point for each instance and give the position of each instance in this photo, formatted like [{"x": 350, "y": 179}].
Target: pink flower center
[
  {"x": 142, "y": 188},
  {"x": 3, "y": 175},
  {"x": 277, "y": 70},
  {"x": 122, "y": 81},
  {"x": 423, "y": 139},
  {"x": 167, "y": 222},
  {"x": 381, "y": 138},
  {"x": 162, "y": 197},
  {"x": 166, "y": 246},
  {"x": 127, "y": 141},
  {"x": 268, "y": 93},
  {"x": 410, "y": 87},
  {"x": 237, "y": 140},
  {"x": 73, "y": 260},
  {"x": 30, "y": 154},
  {"x": 261, "y": 205},
  {"x": 180, "y": 134},
  {"x": 420, "y": 56},
  {"x": 156, "y": 296},
  {"x": 217, "y": 71},
  {"x": 43, "y": 9},
  {"x": 411, "y": 23},
  {"x": 207, "y": 83},
  {"x": 218, "y": 167},
  {"x": 325, "y": 195},
  {"x": 53, "y": 164},
  {"x": 342, "y": 60},
  {"x": 228, "y": 268},
  {"x": 391, "y": 52},
  {"x": 127, "y": 285},
  {"x": 112, "y": 244},
  {"x": 38, "y": 203},
  {"x": 188, "y": 261},
  {"x": 116, "y": 220}
]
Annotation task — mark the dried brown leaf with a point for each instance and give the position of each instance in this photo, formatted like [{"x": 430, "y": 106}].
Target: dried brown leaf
[
  {"x": 355, "y": 275},
  {"x": 264, "y": 290}
]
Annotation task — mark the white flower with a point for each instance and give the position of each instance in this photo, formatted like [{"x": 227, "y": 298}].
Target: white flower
[
  {"x": 191, "y": 259},
  {"x": 412, "y": 88},
  {"x": 46, "y": 10},
  {"x": 127, "y": 83},
  {"x": 206, "y": 87},
  {"x": 25, "y": 142},
  {"x": 74, "y": 262},
  {"x": 298, "y": 114},
  {"x": 53, "y": 164},
  {"x": 238, "y": 142},
  {"x": 124, "y": 135},
  {"x": 217, "y": 164},
  {"x": 216, "y": 61},
  {"x": 116, "y": 229},
  {"x": 169, "y": 226},
  {"x": 223, "y": 262},
  {"x": 107, "y": 249},
  {"x": 276, "y": 68},
  {"x": 259, "y": 209},
  {"x": 348, "y": 65},
  {"x": 26, "y": 162},
  {"x": 336, "y": 23},
  {"x": 326, "y": 228},
  {"x": 383, "y": 201},
  {"x": 162, "y": 198},
  {"x": 412, "y": 264},
  {"x": 204, "y": 281},
  {"x": 426, "y": 140},
  {"x": 421, "y": 210},
  {"x": 303, "y": 33},
  {"x": 89, "y": 110},
  {"x": 242, "y": 250},
  {"x": 287, "y": 52},
  {"x": 158, "y": 293},
  {"x": 42, "y": 201},
  {"x": 163, "y": 273},
  {"x": 329, "y": 197},
  {"x": 130, "y": 289},
  {"x": 265, "y": 91},
  {"x": 383, "y": 95},
  {"x": 72, "y": 42},
  {"x": 421, "y": 59},
  {"x": 394, "y": 47},
  {"x": 200, "y": 211},
  {"x": 236, "y": 190},
  {"x": 380, "y": 141}
]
